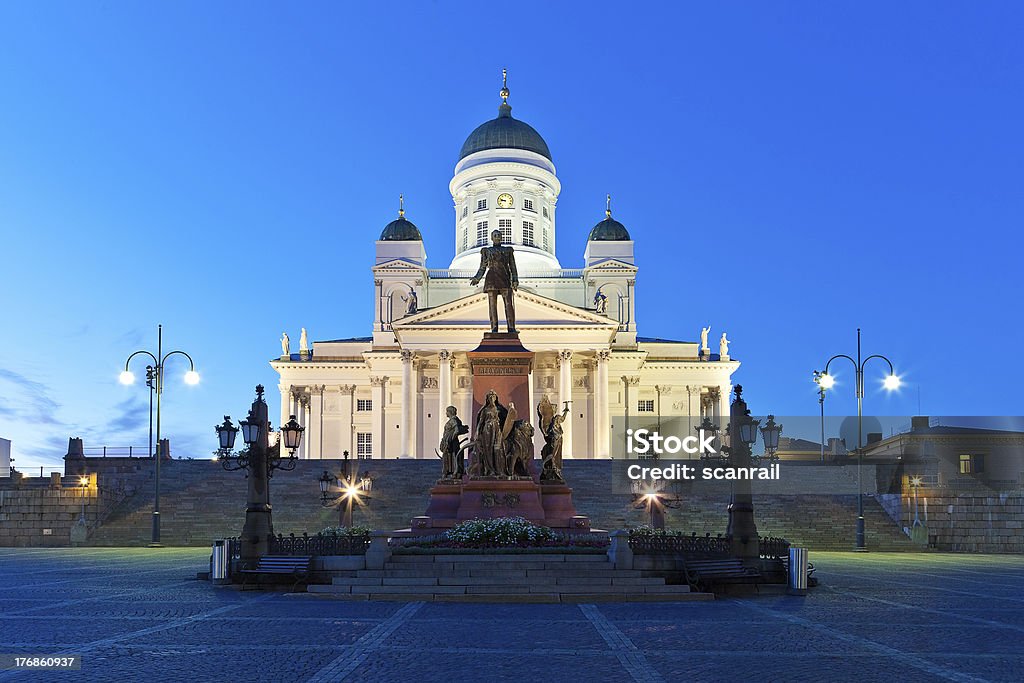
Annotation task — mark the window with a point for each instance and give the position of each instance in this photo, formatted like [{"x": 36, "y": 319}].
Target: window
[
  {"x": 481, "y": 204},
  {"x": 465, "y": 239},
  {"x": 528, "y": 234},
  {"x": 544, "y": 239},
  {"x": 505, "y": 225},
  {"x": 364, "y": 405},
  {"x": 465, "y": 210},
  {"x": 528, "y": 204},
  {"x": 481, "y": 233},
  {"x": 645, "y": 405},
  {"x": 972, "y": 464},
  {"x": 545, "y": 212},
  {"x": 364, "y": 445}
]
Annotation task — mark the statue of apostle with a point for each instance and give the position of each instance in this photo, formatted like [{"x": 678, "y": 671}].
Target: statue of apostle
[{"x": 500, "y": 265}]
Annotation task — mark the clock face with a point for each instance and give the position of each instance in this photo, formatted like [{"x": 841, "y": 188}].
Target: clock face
[{"x": 505, "y": 201}]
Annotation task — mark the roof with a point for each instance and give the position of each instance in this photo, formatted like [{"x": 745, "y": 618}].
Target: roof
[
  {"x": 609, "y": 230},
  {"x": 658, "y": 340},
  {"x": 505, "y": 132}
]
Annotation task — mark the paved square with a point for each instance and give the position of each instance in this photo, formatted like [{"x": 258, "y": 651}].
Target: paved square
[{"x": 137, "y": 614}]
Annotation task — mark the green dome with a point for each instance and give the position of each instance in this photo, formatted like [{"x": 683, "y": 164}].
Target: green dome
[
  {"x": 609, "y": 230},
  {"x": 400, "y": 230},
  {"x": 505, "y": 132}
]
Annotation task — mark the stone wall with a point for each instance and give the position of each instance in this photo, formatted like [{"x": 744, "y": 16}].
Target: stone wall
[
  {"x": 36, "y": 513},
  {"x": 973, "y": 521}
]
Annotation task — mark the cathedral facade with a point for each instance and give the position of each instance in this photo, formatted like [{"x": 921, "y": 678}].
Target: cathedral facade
[{"x": 384, "y": 395}]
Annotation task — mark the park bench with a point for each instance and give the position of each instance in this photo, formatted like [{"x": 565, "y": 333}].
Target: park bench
[
  {"x": 705, "y": 574},
  {"x": 279, "y": 565}
]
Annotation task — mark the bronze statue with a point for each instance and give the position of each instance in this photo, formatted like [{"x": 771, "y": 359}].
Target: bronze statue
[
  {"x": 519, "y": 449},
  {"x": 551, "y": 469},
  {"x": 452, "y": 466},
  {"x": 489, "y": 441},
  {"x": 500, "y": 265}
]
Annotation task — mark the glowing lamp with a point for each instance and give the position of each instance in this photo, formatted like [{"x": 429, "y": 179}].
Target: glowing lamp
[
  {"x": 226, "y": 433},
  {"x": 192, "y": 377},
  {"x": 291, "y": 434},
  {"x": 826, "y": 381},
  {"x": 892, "y": 382},
  {"x": 127, "y": 377}
]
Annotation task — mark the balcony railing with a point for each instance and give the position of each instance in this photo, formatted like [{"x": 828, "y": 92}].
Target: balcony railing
[{"x": 466, "y": 273}]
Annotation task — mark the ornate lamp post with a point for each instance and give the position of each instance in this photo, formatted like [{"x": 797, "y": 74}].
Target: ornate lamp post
[
  {"x": 770, "y": 434},
  {"x": 656, "y": 499},
  {"x": 915, "y": 482},
  {"x": 742, "y": 529},
  {"x": 83, "y": 481},
  {"x": 259, "y": 461},
  {"x": 708, "y": 427},
  {"x": 826, "y": 381},
  {"x": 818, "y": 374},
  {"x": 155, "y": 381}
]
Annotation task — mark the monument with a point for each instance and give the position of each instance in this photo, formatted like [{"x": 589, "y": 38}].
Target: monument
[{"x": 501, "y": 479}]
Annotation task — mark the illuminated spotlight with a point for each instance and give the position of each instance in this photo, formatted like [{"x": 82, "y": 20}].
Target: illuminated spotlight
[
  {"x": 83, "y": 480},
  {"x": 191, "y": 377},
  {"x": 892, "y": 382},
  {"x": 915, "y": 481},
  {"x": 826, "y": 381},
  {"x": 127, "y": 377}
]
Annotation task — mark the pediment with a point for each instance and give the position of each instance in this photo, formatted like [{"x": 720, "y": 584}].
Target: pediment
[
  {"x": 397, "y": 264},
  {"x": 611, "y": 264}
]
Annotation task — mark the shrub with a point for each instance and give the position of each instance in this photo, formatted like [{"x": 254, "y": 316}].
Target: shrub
[
  {"x": 346, "y": 531},
  {"x": 502, "y": 531}
]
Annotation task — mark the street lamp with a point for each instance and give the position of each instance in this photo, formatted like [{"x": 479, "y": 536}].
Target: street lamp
[
  {"x": 259, "y": 461},
  {"x": 770, "y": 434},
  {"x": 915, "y": 482},
  {"x": 819, "y": 379},
  {"x": 827, "y": 381},
  {"x": 83, "y": 481},
  {"x": 352, "y": 491},
  {"x": 708, "y": 427},
  {"x": 155, "y": 381},
  {"x": 742, "y": 529}
]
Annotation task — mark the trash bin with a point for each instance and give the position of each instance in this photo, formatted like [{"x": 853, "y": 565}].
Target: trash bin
[
  {"x": 219, "y": 562},
  {"x": 797, "y": 571}
]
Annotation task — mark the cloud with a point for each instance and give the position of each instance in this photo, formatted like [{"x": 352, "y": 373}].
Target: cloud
[
  {"x": 132, "y": 414},
  {"x": 35, "y": 405}
]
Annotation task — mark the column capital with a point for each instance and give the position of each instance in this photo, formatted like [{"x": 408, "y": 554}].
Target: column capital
[
  {"x": 378, "y": 381},
  {"x": 407, "y": 355},
  {"x": 564, "y": 356},
  {"x": 443, "y": 355},
  {"x": 347, "y": 388},
  {"x": 604, "y": 355},
  {"x": 631, "y": 380}
]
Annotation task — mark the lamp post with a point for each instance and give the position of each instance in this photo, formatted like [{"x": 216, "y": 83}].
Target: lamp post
[
  {"x": 352, "y": 492},
  {"x": 155, "y": 380},
  {"x": 770, "y": 434},
  {"x": 826, "y": 381},
  {"x": 821, "y": 403},
  {"x": 742, "y": 530},
  {"x": 915, "y": 482},
  {"x": 83, "y": 481},
  {"x": 259, "y": 461},
  {"x": 707, "y": 427}
]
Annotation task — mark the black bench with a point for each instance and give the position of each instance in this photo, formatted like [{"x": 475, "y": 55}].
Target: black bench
[
  {"x": 705, "y": 574},
  {"x": 279, "y": 565}
]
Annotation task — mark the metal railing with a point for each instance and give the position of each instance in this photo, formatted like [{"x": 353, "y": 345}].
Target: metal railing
[
  {"x": 466, "y": 273},
  {"x": 672, "y": 543},
  {"x": 117, "y": 451},
  {"x": 321, "y": 544}
]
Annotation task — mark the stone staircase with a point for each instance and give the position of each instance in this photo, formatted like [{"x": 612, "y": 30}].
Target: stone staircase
[
  {"x": 548, "y": 578},
  {"x": 200, "y": 502}
]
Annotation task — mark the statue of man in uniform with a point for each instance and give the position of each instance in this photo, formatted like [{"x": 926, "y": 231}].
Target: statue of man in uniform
[{"x": 500, "y": 265}]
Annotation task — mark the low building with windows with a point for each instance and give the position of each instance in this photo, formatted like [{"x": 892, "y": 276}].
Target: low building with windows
[{"x": 384, "y": 395}]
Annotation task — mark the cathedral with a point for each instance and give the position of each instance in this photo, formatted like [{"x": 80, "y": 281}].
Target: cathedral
[{"x": 384, "y": 395}]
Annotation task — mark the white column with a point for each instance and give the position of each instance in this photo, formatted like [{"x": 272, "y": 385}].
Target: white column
[
  {"x": 602, "y": 423},
  {"x": 315, "y": 431},
  {"x": 723, "y": 401},
  {"x": 303, "y": 404},
  {"x": 348, "y": 410},
  {"x": 377, "y": 425},
  {"x": 445, "y": 362},
  {"x": 565, "y": 394},
  {"x": 407, "y": 428},
  {"x": 632, "y": 305},
  {"x": 286, "y": 397}
]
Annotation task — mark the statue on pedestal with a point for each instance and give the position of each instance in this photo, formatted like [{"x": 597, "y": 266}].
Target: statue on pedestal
[
  {"x": 600, "y": 302},
  {"x": 452, "y": 466},
  {"x": 286, "y": 345},
  {"x": 704, "y": 348},
  {"x": 303, "y": 342},
  {"x": 551, "y": 469},
  {"x": 411, "y": 303},
  {"x": 499, "y": 263},
  {"x": 723, "y": 347}
]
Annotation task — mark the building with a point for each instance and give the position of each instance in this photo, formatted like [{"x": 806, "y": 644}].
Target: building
[
  {"x": 384, "y": 395},
  {"x": 5, "y": 458}
]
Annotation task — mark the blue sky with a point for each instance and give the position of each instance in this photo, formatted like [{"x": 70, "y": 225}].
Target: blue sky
[{"x": 789, "y": 171}]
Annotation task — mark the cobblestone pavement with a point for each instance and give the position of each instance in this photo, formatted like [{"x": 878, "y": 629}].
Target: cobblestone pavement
[{"x": 140, "y": 615}]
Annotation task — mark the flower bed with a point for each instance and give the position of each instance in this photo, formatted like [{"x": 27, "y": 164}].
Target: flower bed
[{"x": 503, "y": 534}]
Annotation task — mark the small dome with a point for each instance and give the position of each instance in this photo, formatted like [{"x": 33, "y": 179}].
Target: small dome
[
  {"x": 400, "y": 229},
  {"x": 609, "y": 230}
]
